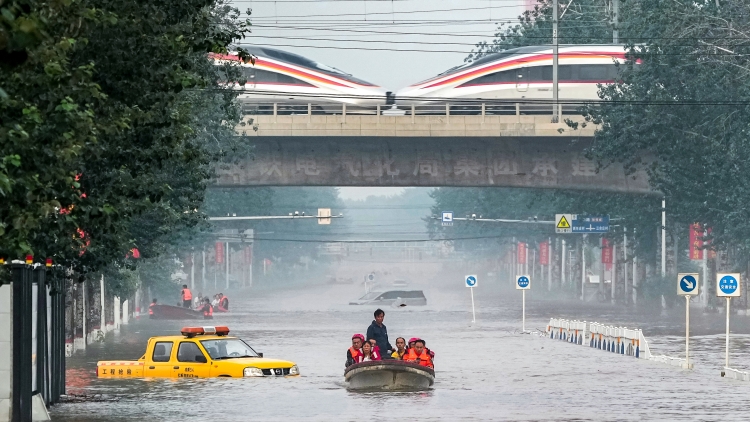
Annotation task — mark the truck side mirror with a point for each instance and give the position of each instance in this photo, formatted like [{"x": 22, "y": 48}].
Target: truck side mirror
[{"x": 201, "y": 359}]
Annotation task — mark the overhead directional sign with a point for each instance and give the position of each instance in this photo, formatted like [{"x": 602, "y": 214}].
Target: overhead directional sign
[
  {"x": 523, "y": 282},
  {"x": 471, "y": 281},
  {"x": 579, "y": 223},
  {"x": 728, "y": 285},
  {"x": 562, "y": 223},
  {"x": 447, "y": 218},
  {"x": 687, "y": 284}
]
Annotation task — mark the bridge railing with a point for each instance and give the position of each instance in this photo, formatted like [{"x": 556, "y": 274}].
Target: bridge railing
[{"x": 429, "y": 109}]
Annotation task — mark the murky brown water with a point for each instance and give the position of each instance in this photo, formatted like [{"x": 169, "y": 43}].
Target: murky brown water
[{"x": 485, "y": 371}]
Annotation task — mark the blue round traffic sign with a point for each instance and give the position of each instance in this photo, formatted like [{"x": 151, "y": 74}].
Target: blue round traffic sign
[
  {"x": 688, "y": 283},
  {"x": 728, "y": 284},
  {"x": 471, "y": 281},
  {"x": 523, "y": 282}
]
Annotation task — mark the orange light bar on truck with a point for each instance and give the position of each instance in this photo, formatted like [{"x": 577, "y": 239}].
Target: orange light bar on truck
[{"x": 198, "y": 331}]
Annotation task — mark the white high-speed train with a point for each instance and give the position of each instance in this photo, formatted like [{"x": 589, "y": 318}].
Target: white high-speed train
[
  {"x": 522, "y": 74},
  {"x": 292, "y": 81}
]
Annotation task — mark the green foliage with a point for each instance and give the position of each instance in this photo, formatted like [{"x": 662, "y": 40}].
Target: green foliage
[
  {"x": 111, "y": 120},
  {"x": 583, "y": 22},
  {"x": 682, "y": 113}
]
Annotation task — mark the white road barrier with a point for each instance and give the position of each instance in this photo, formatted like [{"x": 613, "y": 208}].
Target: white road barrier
[{"x": 620, "y": 340}]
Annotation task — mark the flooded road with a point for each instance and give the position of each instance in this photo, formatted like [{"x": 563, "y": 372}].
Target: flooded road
[{"x": 484, "y": 371}]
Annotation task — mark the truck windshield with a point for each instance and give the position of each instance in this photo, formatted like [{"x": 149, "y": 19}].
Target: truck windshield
[{"x": 228, "y": 349}]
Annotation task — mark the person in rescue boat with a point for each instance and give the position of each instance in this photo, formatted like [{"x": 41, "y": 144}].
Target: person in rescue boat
[
  {"x": 419, "y": 355},
  {"x": 368, "y": 354},
  {"x": 379, "y": 333},
  {"x": 401, "y": 349},
  {"x": 354, "y": 352},
  {"x": 414, "y": 340},
  {"x": 151, "y": 308},
  {"x": 223, "y": 302},
  {"x": 375, "y": 348},
  {"x": 207, "y": 309},
  {"x": 187, "y": 297}
]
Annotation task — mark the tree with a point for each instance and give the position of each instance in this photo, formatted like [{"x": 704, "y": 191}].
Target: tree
[{"x": 111, "y": 119}]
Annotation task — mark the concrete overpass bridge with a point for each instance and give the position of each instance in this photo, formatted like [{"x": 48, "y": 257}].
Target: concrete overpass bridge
[{"x": 422, "y": 150}]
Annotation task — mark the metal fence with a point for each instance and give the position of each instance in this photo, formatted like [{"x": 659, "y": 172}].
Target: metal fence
[
  {"x": 38, "y": 332},
  {"x": 429, "y": 109}
]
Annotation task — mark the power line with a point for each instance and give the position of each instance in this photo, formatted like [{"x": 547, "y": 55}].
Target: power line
[
  {"x": 375, "y": 240},
  {"x": 397, "y": 12}
]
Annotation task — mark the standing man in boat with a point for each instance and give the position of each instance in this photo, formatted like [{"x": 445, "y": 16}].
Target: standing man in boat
[
  {"x": 379, "y": 333},
  {"x": 354, "y": 352},
  {"x": 187, "y": 297},
  {"x": 151, "y": 308}
]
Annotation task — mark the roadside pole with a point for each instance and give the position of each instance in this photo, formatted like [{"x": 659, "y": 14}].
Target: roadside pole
[
  {"x": 523, "y": 283},
  {"x": 687, "y": 285},
  {"x": 663, "y": 238},
  {"x": 728, "y": 286},
  {"x": 471, "y": 282}
]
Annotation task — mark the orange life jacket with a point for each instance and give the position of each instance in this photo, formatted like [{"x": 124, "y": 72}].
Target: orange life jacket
[
  {"x": 186, "y": 294},
  {"x": 151, "y": 309},
  {"x": 224, "y": 303},
  {"x": 424, "y": 359},
  {"x": 208, "y": 310},
  {"x": 355, "y": 353}
]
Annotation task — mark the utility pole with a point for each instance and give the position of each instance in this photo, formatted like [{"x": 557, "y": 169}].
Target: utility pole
[
  {"x": 555, "y": 54},
  {"x": 615, "y": 21},
  {"x": 663, "y": 232}
]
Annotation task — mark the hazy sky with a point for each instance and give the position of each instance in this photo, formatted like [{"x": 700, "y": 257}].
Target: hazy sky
[{"x": 340, "y": 32}]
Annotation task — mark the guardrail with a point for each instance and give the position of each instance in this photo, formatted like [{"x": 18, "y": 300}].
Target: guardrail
[
  {"x": 614, "y": 339},
  {"x": 433, "y": 109}
]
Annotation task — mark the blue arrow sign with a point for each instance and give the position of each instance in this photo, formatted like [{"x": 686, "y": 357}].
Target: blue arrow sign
[
  {"x": 728, "y": 284},
  {"x": 523, "y": 282},
  {"x": 471, "y": 280},
  {"x": 688, "y": 283}
]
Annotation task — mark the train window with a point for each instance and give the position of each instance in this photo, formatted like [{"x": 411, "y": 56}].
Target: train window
[
  {"x": 597, "y": 72},
  {"x": 260, "y": 76},
  {"x": 505, "y": 76}
]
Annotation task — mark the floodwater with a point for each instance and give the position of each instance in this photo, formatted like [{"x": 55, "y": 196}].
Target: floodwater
[{"x": 484, "y": 371}]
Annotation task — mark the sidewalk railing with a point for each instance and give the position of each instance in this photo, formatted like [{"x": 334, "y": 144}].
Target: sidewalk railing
[{"x": 614, "y": 339}]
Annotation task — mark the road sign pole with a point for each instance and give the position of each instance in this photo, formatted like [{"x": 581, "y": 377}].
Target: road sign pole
[
  {"x": 663, "y": 232},
  {"x": 687, "y": 331},
  {"x": 473, "y": 313},
  {"x": 726, "y": 353},
  {"x": 523, "y": 310}
]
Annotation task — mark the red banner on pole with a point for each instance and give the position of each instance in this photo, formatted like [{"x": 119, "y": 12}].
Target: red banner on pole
[
  {"x": 606, "y": 251},
  {"x": 544, "y": 253},
  {"x": 219, "y": 252},
  {"x": 521, "y": 253},
  {"x": 696, "y": 244}
]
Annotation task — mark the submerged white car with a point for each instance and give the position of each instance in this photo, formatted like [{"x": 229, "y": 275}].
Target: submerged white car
[{"x": 393, "y": 298}]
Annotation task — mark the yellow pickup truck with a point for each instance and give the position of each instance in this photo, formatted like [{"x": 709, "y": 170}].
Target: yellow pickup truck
[{"x": 200, "y": 352}]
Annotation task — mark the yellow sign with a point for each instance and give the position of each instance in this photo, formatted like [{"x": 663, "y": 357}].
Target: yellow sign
[{"x": 563, "y": 223}]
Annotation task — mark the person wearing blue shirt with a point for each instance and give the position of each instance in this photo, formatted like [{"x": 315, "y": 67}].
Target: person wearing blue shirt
[{"x": 379, "y": 333}]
